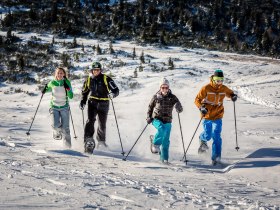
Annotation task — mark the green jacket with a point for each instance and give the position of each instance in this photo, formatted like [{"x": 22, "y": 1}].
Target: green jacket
[{"x": 59, "y": 94}]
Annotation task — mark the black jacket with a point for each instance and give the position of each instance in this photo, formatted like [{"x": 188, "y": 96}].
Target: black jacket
[
  {"x": 96, "y": 88},
  {"x": 161, "y": 107}
]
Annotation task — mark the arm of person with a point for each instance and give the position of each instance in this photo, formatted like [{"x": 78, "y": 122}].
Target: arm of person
[
  {"x": 113, "y": 87},
  {"x": 85, "y": 91},
  {"x": 200, "y": 97},
  {"x": 70, "y": 91},
  {"x": 151, "y": 107},
  {"x": 178, "y": 105},
  {"x": 47, "y": 87}
]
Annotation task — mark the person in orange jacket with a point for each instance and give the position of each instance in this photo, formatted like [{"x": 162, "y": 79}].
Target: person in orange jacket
[{"x": 209, "y": 100}]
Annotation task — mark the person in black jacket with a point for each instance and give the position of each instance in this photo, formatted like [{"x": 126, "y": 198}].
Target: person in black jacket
[
  {"x": 97, "y": 89},
  {"x": 160, "y": 115}
]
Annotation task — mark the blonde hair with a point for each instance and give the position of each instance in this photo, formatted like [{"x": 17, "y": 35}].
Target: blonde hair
[{"x": 60, "y": 69}]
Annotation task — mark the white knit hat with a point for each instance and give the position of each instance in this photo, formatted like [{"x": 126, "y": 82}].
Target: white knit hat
[{"x": 163, "y": 81}]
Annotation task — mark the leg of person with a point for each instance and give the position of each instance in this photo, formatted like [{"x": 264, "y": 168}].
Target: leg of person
[
  {"x": 89, "y": 127},
  {"x": 217, "y": 141},
  {"x": 164, "y": 156},
  {"x": 205, "y": 135},
  {"x": 64, "y": 113},
  {"x": 56, "y": 124},
  {"x": 158, "y": 138},
  {"x": 89, "y": 143},
  {"x": 102, "y": 112}
]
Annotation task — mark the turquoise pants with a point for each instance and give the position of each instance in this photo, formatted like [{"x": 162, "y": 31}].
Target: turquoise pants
[
  {"x": 212, "y": 130},
  {"x": 162, "y": 137}
]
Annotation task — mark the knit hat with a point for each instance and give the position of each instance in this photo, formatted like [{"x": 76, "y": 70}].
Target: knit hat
[
  {"x": 218, "y": 73},
  {"x": 163, "y": 81},
  {"x": 96, "y": 65}
]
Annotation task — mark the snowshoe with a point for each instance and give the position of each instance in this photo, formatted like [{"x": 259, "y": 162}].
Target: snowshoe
[
  {"x": 214, "y": 162},
  {"x": 89, "y": 146},
  {"x": 165, "y": 162},
  {"x": 155, "y": 149},
  {"x": 101, "y": 144},
  {"x": 57, "y": 135},
  {"x": 217, "y": 161},
  {"x": 203, "y": 147}
]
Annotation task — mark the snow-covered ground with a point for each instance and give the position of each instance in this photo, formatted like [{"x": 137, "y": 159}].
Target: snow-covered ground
[{"x": 38, "y": 173}]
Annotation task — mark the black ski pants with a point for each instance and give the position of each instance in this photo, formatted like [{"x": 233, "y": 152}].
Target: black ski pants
[{"x": 99, "y": 109}]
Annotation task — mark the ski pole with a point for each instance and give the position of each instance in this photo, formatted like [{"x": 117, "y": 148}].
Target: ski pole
[
  {"x": 28, "y": 132},
  {"x": 237, "y": 147},
  {"x": 182, "y": 138},
  {"x": 135, "y": 142},
  {"x": 117, "y": 125},
  {"x": 192, "y": 139},
  {"x": 72, "y": 123},
  {"x": 83, "y": 118}
]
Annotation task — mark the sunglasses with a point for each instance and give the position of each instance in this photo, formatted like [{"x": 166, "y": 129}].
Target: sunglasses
[
  {"x": 95, "y": 69},
  {"x": 219, "y": 80},
  {"x": 165, "y": 88}
]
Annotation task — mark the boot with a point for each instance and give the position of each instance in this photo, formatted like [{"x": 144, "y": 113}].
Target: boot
[
  {"x": 57, "y": 135},
  {"x": 101, "y": 144},
  {"x": 155, "y": 149},
  {"x": 203, "y": 147},
  {"x": 89, "y": 145}
]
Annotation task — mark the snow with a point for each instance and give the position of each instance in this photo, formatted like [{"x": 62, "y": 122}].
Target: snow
[{"x": 37, "y": 172}]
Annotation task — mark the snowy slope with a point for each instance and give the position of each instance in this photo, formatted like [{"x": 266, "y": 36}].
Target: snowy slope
[{"x": 38, "y": 173}]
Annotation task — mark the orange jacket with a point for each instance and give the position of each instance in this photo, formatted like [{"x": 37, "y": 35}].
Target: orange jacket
[{"x": 212, "y": 96}]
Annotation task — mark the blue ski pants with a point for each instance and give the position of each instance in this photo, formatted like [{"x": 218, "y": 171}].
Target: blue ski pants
[
  {"x": 162, "y": 137},
  {"x": 213, "y": 129}
]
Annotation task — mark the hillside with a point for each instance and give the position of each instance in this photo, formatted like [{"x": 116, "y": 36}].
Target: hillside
[{"x": 37, "y": 172}]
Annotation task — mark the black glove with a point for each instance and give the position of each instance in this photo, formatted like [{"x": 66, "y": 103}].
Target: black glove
[
  {"x": 178, "y": 107},
  {"x": 45, "y": 89},
  {"x": 149, "y": 120},
  {"x": 66, "y": 86},
  {"x": 179, "y": 110},
  {"x": 203, "y": 110},
  {"x": 82, "y": 104},
  {"x": 233, "y": 97}
]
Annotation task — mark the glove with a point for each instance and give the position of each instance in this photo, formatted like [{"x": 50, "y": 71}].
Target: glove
[
  {"x": 45, "y": 89},
  {"x": 82, "y": 104},
  {"x": 203, "y": 110},
  {"x": 178, "y": 108},
  {"x": 66, "y": 86},
  {"x": 233, "y": 97},
  {"x": 149, "y": 120}
]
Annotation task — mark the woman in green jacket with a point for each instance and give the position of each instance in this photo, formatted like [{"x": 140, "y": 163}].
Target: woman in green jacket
[{"x": 61, "y": 91}]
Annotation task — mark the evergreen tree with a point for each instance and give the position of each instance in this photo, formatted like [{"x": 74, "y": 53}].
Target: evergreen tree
[
  {"x": 133, "y": 53},
  {"x": 265, "y": 42},
  {"x": 111, "y": 50},
  {"x": 54, "y": 11},
  {"x": 170, "y": 64},
  {"x": 162, "y": 38},
  {"x": 98, "y": 50},
  {"x": 20, "y": 62},
  {"x": 65, "y": 59},
  {"x": 74, "y": 43},
  {"x": 142, "y": 58},
  {"x": 135, "y": 75}
]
